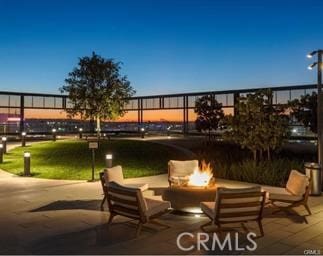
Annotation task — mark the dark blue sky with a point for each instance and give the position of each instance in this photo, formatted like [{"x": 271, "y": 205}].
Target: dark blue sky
[{"x": 165, "y": 46}]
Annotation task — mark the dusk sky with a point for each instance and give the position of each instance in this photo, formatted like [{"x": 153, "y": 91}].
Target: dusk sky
[{"x": 165, "y": 46}]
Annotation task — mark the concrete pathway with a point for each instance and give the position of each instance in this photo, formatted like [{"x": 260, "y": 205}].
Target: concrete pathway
[{"x": 39, "y": 216}]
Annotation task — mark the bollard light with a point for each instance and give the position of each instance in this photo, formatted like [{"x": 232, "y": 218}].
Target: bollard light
[
  {"x": 1, "y": 153},
  {"x": 4, "y": 143},
  {"x": 23, "y": 139},
  {"x": 108, "y": 160},
  {"x": 168, "y": 131},
  {"x": 142, "y": 130},
  {"x": 54, "y": 134},
  {"x": 27, "y": 163},
  {"x": 80, "y": 133}
]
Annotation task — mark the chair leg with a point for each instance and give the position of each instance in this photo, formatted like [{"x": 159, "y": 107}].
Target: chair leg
[
  {"x": 110, "y": 220},
  {"x": 205, "y": 225},
  {"x": 261, "y": 228},
  {"x": 307, "y": 209},
  {"x": 102, "y": 203},
  {"x": 139, "y": 226}
]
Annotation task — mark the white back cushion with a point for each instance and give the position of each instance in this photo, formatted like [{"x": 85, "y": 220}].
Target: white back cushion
[
  {"x": 114, "y": 174},
  {"x": 297, "y": 183},
  {"x": 182, "y": 168}
]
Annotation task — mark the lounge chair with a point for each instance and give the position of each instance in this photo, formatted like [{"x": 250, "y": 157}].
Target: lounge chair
[
  {"x": 130, "y": 202},
  {"x": 295, "y": 193},
  {"x": 235, "y": 206},
  {"x": 116, "y": 174},
  {"x": 179, "y": 171}
]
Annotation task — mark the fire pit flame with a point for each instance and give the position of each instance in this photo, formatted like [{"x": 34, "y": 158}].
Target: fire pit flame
[{"x": 202, "y": 176}]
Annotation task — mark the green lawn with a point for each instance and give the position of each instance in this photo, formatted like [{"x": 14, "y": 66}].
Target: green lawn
[{"x": 71, "y": 159}]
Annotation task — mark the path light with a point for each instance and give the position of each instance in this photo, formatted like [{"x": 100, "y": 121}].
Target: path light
[
  {"x": 142, "y": 130},
  {"x": 168, "y": 131},
  {"x": 54, "y": 134},
  {"x": 23, "y": 139},
  {"x": 80, "y": 133},
  {"x": 108, "y": 160},
  {"x": 4, "y": 143},
  {"x": 1, "y": 153},
  {"x": 27, "y": 163}
]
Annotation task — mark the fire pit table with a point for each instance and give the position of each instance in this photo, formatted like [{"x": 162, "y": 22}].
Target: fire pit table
[{"x": 188, "y": 198}]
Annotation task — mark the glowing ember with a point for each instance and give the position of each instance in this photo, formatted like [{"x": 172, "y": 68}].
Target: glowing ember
[{"x": 202, "y": 176}]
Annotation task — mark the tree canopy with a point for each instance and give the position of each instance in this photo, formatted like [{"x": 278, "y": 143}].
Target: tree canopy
[
  {"x": 258, "y": 125},
  {"x": 209, "y": 113},
  {"x": 96, "y": 89},
  {"x": 304, "y": 110}
]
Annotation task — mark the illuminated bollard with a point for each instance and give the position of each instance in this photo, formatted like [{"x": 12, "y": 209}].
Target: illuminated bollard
[
  {"x": 1, "y": 153},
  {"x": 108, "y": 160},
  {"x": 168, "y": 131},
  {"x": 54, "y": 134},
  {"x": 23, "y": 139},
  {"x": 27, "y": 163},
  {"x": 4, "y": 143},
  {"x": 81, "y": 133},
  {"x": 142, "y": 130}
]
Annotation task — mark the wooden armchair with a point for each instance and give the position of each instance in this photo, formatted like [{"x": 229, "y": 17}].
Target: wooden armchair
[
  {"x": 235, "y": 206},
  {"x": 115, "y": 174},
  {"x": 295, "y": 194},
  {"x": 130, "y": 202}
]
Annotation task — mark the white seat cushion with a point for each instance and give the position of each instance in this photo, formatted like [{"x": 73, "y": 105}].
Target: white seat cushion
[
  {"x": 182, "y": 168},
  {"x": 155, "y": 206},
  {"x": 284, "y": 197},
  {"x": 143, "y": 187}
]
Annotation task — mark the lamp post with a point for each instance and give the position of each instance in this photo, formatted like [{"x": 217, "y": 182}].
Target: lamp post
[
  {"x": 142, "y": 130},
  {"x": 23, "y": 139},
  {"x": 1, "y": 153},
  {"x": 108, "y": 160},
  {"x": 4, "y": 143},
  {"x": 81, "y": 133},
  {"x": 27, "y": 163},
  {"x": 54, "y": 134},
  {"x": 319, "y": 65}
]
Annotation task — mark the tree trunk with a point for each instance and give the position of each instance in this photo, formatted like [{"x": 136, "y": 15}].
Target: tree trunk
[
  {"x": 98, "y": 126},
  {"x": 268, "y": 154},
  {"x": 254, "y": 156}
]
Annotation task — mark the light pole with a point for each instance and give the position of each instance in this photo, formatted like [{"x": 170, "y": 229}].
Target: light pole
[
  {"x": 4, "y": 143},
  {"x": 108, "y": 160},
  {"x": 319, "y": 65},
  {"x": 23, "y": 139},
  {"x": 54, "y": 134}
]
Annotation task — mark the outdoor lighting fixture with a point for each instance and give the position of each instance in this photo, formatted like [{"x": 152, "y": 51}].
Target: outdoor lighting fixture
[
  {"x": 318, "y": 63},
  {"x": 168, "y": 131},
  {"x": 310, "y": 55},
  {"x": 108, "y": 160},
  {"x": 1, "y": 153},
  {"x": 27, "y": 163},
  {"x": 80, "y": 133},
  {"x": 23, "y": 139},
  {"x": 310, "y": 67},
  {"x": 4, "y": 143},
  {"x": 142, "y": 130},
  {"x": 54, "y": 134}
]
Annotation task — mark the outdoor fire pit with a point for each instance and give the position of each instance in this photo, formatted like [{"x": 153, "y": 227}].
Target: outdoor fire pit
[{"x": 186, "y": 196}]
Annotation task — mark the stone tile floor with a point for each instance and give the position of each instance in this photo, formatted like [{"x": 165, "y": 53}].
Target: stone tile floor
[{"x": 39, "y": 216}]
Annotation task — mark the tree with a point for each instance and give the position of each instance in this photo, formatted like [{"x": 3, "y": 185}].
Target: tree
[
  {"x": 209, "y": 114},
  {"x": 258, "y": 125},
  {"x": 305, "y": 110},
  {"x": 97, "y": 90}
]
